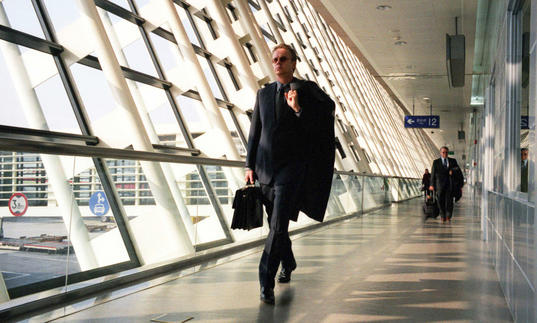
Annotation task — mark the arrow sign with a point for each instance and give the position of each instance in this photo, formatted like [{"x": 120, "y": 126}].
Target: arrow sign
[{"x": 422, "y": 121}]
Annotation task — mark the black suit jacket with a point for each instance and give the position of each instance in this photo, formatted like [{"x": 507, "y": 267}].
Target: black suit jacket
[
  {"x": 278, "y": 149},
  {"x": 442, "y": 181}
]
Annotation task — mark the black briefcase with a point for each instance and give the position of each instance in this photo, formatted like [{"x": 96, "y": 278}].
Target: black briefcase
[{"x": 248, "y": 208}]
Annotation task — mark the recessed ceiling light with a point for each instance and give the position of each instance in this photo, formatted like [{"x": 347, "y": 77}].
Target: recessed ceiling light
[
  {"x": 383, "y": 7},
  {"x": 400, "y": 43}
]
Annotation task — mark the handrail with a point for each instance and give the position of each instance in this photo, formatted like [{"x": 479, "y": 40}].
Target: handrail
[
  {"x": 45, "y": 147},
  {"x": 10, "y": 130},
  {"x": 54, "y": 148}
]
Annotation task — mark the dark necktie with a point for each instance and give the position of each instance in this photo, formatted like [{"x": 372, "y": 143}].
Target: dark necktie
[
  {"x": 280, "y": 102},
  {"x": 445, "y": 163}
]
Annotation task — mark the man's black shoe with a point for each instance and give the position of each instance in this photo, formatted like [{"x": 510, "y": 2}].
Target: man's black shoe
[
  {"x": 267, "y": 295},
  {"x": 285, "y": 276}
]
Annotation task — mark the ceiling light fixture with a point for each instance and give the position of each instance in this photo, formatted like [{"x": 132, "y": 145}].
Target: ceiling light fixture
[
  {"x": 400, "y": 43},
  {"x": 383, "y": 7}
]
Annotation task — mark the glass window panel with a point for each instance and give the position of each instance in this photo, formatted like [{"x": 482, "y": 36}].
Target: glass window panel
[
  {"x": 229, "y": 78},
  {"x": 234, "y": 132},
  {"x": 56, "y": 106},
  {"x": 341, "y": 201},
  {"x": 210, "y": 77},
  {"x": 21, "y": 16},
  {"x": 203, "y": 28},
  {"x": 142, "y": 3},
  {"x": 166, "y": 51},
  {"x": 44, "y": 246},
  {"x": 62, "y": 13},
  {"x": 194, "y": 113},
  {"x": 10, "y": 99},
  {"x": 188, "y": 26},
  {"x": 347, "y": 190},
  {"x": 122, "y": 3},
  {"x": 51, "y": 95},
  {"x": 206, "y": 224},
  {"x": 94, "y": 91},
  {"x": 102, "y": 110},
  {"x": 136, "y": 53},
  {"x": 161, "y": 115},
  {"x": 269, "y": 41}
]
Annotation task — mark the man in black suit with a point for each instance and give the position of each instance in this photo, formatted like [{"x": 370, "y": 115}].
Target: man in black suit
[
  {"x": 446, "y": 181},
  {"x": 291, "y": 151}
]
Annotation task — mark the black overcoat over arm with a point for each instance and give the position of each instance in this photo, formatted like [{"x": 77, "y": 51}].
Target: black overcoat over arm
[{"x": 316, "y": 188}]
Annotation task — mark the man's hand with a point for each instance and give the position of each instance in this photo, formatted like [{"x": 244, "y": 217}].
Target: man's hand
[
  {"x": 292, "y": 100},
  {"x": 431, "y": 188},
  {"x": 249, "y": 176}
]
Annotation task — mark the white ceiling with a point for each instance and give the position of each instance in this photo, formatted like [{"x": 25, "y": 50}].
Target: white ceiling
[{"x": 418, "y": 69}]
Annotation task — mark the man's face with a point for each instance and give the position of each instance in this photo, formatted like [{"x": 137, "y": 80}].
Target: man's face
[
  {"x": 524, "y": 154},
  {"x": 443, "y": 152},
  {"x": 282, "y": 64}
]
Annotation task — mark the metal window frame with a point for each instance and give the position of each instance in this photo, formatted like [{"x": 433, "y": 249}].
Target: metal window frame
[
  {"x": 10, "y": 131},
  {"x": 100, "y": 166},
  {"x": 119, "y": 11},
  {"x": 30, "y": 41}
]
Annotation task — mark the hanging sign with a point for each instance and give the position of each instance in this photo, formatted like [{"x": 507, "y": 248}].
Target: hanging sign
[{"x": 422, "y": 121}]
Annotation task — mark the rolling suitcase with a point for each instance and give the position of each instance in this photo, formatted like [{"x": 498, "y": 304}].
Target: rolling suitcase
[{"x": 430, "y": 207}]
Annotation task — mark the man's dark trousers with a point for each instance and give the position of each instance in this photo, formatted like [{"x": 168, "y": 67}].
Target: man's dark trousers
[
  {"x": 445, "y": 202},
  {"x": 280, "y": 201}
]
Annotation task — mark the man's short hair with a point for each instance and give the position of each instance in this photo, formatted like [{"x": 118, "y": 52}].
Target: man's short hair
[
  {"x": 444, "y": 147},
  {"x": 523, "y": 149},
  {"x": 290, "y": 49}
]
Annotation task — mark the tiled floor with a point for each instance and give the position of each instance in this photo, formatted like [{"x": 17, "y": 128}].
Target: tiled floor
[{"x": 388, "y": 266}]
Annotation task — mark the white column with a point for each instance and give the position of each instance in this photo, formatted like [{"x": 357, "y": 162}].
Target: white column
[
  {"x": 149, "y": 128},
  {"x": 270, "y": 20},
  {"x": 238, "y": 57},
  {"x": 168, "y": 218},
  {"x": 262, "y": 49},
  {"x": 78, "y": 233}
]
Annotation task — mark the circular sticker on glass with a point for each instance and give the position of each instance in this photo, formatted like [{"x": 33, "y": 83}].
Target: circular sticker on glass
[
  {"x": 18, "y": 204},
  {"x": 98, "y": 203}
]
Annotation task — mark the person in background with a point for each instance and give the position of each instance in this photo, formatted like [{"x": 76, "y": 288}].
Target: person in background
[
  {"x": 446, "y": 182},
  {"x": 524, "y": 170},
  {"x": 426, "y": 182}
]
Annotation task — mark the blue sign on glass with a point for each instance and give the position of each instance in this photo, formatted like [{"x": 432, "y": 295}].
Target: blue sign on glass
[
  {"x": 422, "y": 121},
  {"x": 98, "y": 203}
]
